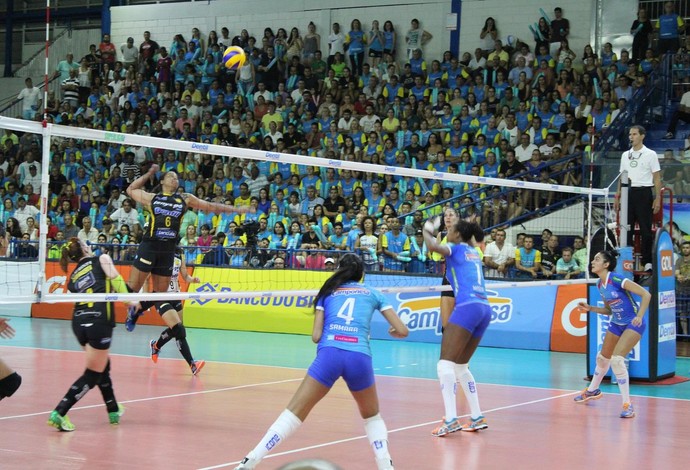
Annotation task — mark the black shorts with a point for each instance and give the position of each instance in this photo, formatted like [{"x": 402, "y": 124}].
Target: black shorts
[
  {"x": 389, "y": 51},
  {"x": 156, "y": 257},
  {"x": 447, "y": 293},
  {"x": 176, "y": 304},
  {"x": 378, "y": 54},
  {"x": 97, "y": 334}
]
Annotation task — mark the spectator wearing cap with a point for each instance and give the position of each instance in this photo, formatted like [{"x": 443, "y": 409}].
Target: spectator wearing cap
[
  {"x": 22, "y": 171},
  {"x": 32, "y": 179},
  {"x": 329, "y": 264},
  {"x": 23, "y": 212},
  {"x": 429, "y": 200},
  {"x": 129, "y": 54}
]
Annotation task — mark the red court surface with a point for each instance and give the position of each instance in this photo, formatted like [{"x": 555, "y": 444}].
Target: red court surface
[{"x": 176, "y": 421}]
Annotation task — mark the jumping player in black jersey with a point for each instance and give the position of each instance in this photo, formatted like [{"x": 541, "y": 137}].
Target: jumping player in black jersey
[
  {"x": 156, "y": 253},
  {"x": 92, "y": 324}
]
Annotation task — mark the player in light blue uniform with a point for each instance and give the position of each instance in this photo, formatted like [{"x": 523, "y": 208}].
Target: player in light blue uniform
[
  {"x": 625, "y": 330},
  {"x": 343, "y": 311},
  {"x": 468, "y": 321}
]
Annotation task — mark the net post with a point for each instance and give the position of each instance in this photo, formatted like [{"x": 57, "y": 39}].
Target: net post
[
  {"x": 45, "y": 202},
  {"x": 623, "y": 209}
]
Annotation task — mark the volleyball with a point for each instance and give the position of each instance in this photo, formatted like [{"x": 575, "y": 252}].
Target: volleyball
[{"x": 234, "y": 57}]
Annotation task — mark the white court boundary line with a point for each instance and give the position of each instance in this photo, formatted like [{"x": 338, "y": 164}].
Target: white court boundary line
[
  {"x": 390, "y": 431},
  {"x": 304, "y": 369},
  {"x": 162, "y": 397}
]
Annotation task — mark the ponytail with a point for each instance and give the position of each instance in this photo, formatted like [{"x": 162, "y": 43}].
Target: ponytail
[
  {"x": 350, "y": 268},
  {"x": 70, "y": 251}
]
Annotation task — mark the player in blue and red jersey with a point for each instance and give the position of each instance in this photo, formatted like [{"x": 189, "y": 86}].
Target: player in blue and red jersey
[{"x": 625, "y": 330}]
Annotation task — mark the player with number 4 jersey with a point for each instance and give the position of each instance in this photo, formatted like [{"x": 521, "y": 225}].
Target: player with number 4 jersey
[{"x": 342, "y": 317}]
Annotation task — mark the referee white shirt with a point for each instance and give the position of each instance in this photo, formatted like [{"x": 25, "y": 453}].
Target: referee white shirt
[{"x": 641, "y": 165}]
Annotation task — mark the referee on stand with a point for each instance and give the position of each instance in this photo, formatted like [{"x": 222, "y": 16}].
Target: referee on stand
[{"x": 644, "y": 172}]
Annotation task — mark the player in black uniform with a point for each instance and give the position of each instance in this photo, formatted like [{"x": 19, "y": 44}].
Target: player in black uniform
[
  {"x": 156, "y": 253},
  {"x": 92, "y": 324}
]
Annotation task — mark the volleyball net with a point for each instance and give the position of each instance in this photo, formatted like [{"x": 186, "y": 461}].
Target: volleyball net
[{"x": 327, "y": 206}]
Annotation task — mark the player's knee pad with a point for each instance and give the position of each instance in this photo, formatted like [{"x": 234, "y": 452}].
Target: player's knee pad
[
  {"x": 92, "y": 377},
  {"x": 9, "y": 385},
  {"x": 179, "y": 332},
  {"x": 603, "y": 362},
  {"x": 164, "y": 307},
  {"x": 618, "y": 365},
  {"x": 445, "y": 368}
]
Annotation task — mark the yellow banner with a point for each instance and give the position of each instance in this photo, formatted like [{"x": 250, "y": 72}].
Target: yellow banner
[{"x": 265, "y": 313}]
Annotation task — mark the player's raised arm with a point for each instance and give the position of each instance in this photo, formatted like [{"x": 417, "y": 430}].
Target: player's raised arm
[
  {"x": 196, "y": 203},
  {"x": 136, "y": 189}
]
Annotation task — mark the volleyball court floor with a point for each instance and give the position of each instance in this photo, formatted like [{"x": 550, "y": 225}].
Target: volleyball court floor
[{"x": 174, "y": 420}]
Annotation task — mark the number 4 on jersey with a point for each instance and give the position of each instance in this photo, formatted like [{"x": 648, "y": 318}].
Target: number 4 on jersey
[{"x": 346, "y": 310}]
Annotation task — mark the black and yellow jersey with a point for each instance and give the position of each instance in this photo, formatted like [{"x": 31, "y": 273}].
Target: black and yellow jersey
[
  {"x": 89, "y": 278},
  {"x": 165, "y": 217}
]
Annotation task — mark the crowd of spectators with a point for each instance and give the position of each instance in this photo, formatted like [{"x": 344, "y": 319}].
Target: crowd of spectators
[{"x": 506, "y": 110}]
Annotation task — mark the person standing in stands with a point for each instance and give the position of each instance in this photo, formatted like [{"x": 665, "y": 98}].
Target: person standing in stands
[
  {"x": 670, "y": 25},
  {"x": 644, "y": 172}
]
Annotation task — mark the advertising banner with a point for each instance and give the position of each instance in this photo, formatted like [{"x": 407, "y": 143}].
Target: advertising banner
[
  {"x": 663, "y": 309},
  {"x": 569, "y": 328},
  {"x": 517, "y": 320},
  {"x": 654, "y": 357},
  {"x": 266, "y": 313}
]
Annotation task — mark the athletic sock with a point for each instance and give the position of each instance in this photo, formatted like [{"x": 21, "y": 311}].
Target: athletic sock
[
  {"x": 378, "y": 438},
  {"x": 622, "y": 376},
  {"x": 446, "y": 376},
  {"x": 600, "y": 371},
  {"x": 106, "y": 388},
  {"x": 286, "y": 424},
  {"x": 76, "y": 392},
  {"x": 183, "y": 346},
  {"x": 163, "y": 339},
  {"x": 469, "y": 386}
]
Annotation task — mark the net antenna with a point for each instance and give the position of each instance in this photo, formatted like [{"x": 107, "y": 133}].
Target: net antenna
[{"x": 49, "y": 131}]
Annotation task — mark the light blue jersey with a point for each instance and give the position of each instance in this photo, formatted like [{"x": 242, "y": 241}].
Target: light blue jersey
[
  {"x": 464, "y": 272},
  {"x": 623, "y": 306},
  {"x": 347, "y": 317}
]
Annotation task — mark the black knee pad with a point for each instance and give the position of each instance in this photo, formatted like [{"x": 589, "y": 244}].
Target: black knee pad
[
  {"x": 179, "y": 332},
  {"x": 164, "y": 307},
  {"x": 9, "y": 385},
  {"x": 92, "y": 377}
]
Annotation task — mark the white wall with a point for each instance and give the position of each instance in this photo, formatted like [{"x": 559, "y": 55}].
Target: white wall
[
  {"x": 513, "y": 17},
  {"x": 164, "y": 21}
]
